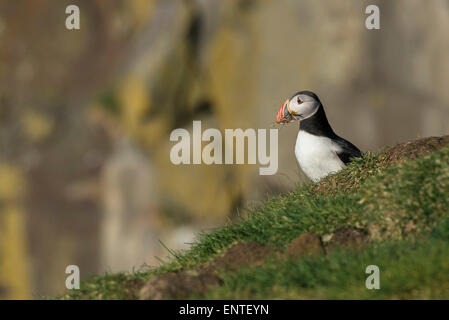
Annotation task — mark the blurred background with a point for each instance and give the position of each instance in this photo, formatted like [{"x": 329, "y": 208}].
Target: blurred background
[{"x": 85, "y": 115}]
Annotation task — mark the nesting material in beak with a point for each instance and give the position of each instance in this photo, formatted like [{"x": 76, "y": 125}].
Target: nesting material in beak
[{"x": 284, "y": 116}]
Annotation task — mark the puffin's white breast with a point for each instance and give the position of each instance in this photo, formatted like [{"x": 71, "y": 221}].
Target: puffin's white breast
[{"x": 317, "y": 156}]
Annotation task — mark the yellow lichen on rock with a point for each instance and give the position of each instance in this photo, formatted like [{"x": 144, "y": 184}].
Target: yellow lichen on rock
[
  {"x": 134, "y": 101},
  {"x": 14, "y": 276},
  {"x": 36, "y": 125},
  {"x": 12, "y": 183}
]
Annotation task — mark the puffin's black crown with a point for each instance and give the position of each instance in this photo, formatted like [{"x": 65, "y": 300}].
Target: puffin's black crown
[{"x": 307, "y": 93}]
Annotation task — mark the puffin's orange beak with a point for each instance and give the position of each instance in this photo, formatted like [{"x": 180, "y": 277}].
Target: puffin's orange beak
[{"x": 284, "y": 115}]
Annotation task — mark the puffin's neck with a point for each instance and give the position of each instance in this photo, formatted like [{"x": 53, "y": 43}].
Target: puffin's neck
[{"x": 317, "y": 124}]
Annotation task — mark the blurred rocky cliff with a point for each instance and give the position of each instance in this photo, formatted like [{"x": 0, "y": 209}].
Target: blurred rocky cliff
[{"x": 85, "y": 116}]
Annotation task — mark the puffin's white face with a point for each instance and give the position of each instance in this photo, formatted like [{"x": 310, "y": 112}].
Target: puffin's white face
[{"x": 300, "y": 107}]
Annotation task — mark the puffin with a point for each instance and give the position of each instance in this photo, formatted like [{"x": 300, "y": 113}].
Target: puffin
[{"x": 318, "y": 150}]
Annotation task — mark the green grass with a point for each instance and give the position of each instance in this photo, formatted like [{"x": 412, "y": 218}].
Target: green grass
[
  {"x": 407, "y": 270},
  {"x": 121, "y": 286},
  {"x": 404, "y": 207}
]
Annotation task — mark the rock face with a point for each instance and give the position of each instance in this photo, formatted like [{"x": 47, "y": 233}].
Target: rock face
[{"x": 130, "y": 198}]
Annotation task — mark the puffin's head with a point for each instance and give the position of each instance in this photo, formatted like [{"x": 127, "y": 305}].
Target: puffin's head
[{"x": 301, "y": 106}]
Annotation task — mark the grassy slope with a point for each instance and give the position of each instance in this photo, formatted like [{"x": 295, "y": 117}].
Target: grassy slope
[{"x": 404, "y": 207}]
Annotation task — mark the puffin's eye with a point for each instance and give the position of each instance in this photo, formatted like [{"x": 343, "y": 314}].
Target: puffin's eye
[{"x": 299, "y": 101}]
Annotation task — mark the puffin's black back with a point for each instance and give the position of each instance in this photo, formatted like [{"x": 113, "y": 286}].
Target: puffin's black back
[{"x": 318, "y": 125}]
